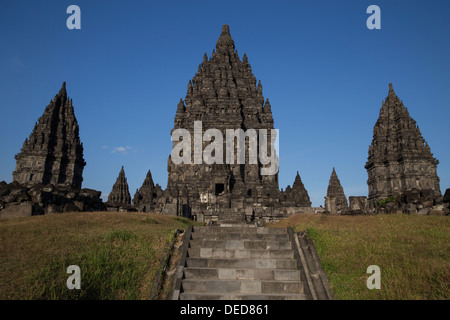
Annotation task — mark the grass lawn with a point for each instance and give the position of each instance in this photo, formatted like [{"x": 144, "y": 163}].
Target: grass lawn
[
  {"x": 413, "y": 253},
  {"x": 118, "y": 254}
]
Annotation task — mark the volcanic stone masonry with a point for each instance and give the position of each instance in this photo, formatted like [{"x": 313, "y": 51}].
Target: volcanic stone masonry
[
  {"x": 224, "y": 94},
  {"x": 53, "y": 153},
  {"x": 401, "y": 168},
  {"x": 49, "y": 168},
  {"x": 145, "y": 198},
  {"x": 335, "y": 201},
  {"x": 119, "y": 198},
  {"x": 297, "y": 196}
]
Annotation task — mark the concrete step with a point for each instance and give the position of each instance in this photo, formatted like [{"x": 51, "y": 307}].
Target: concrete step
[
  {"x": 240, "y": 229},
  {"x": 235, "y": 296},
  {"x": 242, "y": 286},
  {"x": 236, "y": 263},
  {"x": 242, "y": 274},
  {"x": 240, "y": 244},
  {"x": 239, "y": 236},
  {"x": 240, "y": 253}
]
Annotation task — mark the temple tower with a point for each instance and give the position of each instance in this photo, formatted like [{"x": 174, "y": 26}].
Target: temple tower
[
  {"x": 297, "y": 196},
  {"x": 335, "y": 201},
  {"x": 120, "y": 195},
  {"x": 223, "y": 94},
  {"x": 399, "y": 157},
  {"x": 145, "y": 196},
  {"x": 53, "y": 154}
]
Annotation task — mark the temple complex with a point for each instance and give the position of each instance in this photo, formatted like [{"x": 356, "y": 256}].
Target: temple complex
[{"x": 224, "y": 143}]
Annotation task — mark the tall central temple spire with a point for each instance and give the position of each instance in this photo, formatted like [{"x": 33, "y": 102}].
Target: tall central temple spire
[{"x": 223, "y": 95}]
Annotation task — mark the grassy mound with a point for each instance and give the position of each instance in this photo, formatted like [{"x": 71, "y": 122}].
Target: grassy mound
[
  {"x": 413, "y": 253},
  {"x": 118, "y": 254}
]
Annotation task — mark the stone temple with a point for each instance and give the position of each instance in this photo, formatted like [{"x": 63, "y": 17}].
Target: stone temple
[
  {"x": 49, "y": 167},
  {"x": 53, "y": 154},
  {"x": 224, "y": 94},
  {"x": 400, "y": 160},
  {"x": 120, "y": 194},
  {"x": 145, "y": 198},
  {"x": 335, "y": 201}
]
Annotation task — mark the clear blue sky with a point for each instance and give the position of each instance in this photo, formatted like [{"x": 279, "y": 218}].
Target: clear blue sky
[{"x": 324, "y": 72}]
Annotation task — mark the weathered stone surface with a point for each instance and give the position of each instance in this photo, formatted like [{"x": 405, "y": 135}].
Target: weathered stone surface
[
  {"x": 297, "y": 196},
  {"x": 410, "y": 208},
  {"x": 216, "y": 267},
  {"x": 44, "y": 199},
  {"x": 53, "y": 154},
  {"x": 146, "y": 198},
  {"x": 358, "y": 205},
  {"x": 399, "y": 160},
  {"x": 49, "y": 167},
  {"x": 16, "y": 210},
  {"x": 223, "y": 94},
  {"x": 120, "y": 195},
  {"x": 446, "y": 198},
  {"x": 335, "y": 201}
]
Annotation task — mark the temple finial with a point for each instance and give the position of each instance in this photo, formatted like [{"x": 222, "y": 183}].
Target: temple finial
[
  {"x": 63, "y": 91},
  {"x": 225, "y": 43},
  {"x": 225, "y": 29}
]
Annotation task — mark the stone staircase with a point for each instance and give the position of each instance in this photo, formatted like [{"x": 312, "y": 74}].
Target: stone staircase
[{"x": 240, "y": 262}]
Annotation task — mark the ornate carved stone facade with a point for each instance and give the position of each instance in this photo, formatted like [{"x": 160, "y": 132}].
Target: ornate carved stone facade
[
  {"x": 223, "y": 94},
  {"x": 399, "y": 158},
  {"x": 53, "y": 154},
  {"x": 120, "y": 195}
]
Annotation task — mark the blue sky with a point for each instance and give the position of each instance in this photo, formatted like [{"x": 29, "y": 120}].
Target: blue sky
[{"x": 323, "y": 70}]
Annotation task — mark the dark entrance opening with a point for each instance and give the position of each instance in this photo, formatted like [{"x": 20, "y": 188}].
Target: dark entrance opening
[
  {"x": 186, "y": 211},
  {"x": 220, "y": 188}
]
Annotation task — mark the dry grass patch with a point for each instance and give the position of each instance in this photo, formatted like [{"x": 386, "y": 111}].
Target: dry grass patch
[
  {"x": 412, "y": 252},
  {"x": 118, "y": 254}
]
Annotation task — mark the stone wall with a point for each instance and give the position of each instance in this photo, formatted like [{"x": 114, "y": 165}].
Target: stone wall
[{"x": 17, "y": 200}]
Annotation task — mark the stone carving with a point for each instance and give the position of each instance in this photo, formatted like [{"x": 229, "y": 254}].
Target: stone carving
[
  {"x": 53, "y": 154},
  {"x": 399, "y": 158}
]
